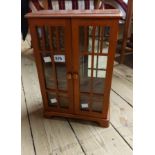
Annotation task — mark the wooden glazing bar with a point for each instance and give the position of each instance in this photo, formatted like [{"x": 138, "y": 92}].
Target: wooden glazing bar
[
  {"x": 98, "y": 46},
  {"x": 98, "y": 69},
  {"x": 53, "y": 63},
  {"x": 96, "y": 66},
  {"x": 99, "y": 54},
  {"x": 54, "y": 90},
  {"x": 101, "y": 39},
  {"x": 92, "y": 67},
  {"x": 88, "y": 93}
]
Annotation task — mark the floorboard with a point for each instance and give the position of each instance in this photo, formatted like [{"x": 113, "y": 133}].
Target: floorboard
[
  {"x": 124, "y": 71},
  {"x": 121, "y": 117},
  {"x": 51, "y": 136},
  {"x": 61, "y": 136},
  {"x": 123, "y": 88},
  {"x": 97, "y": 140},
  {"x": 27, "y": 146}
]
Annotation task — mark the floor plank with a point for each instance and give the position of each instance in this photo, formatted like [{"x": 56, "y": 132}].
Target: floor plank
[
  {"x": 51, "y": 136},
  {"x": 123, "y": 88},
  {"x": 124, "y": 71},
  {"x": 97, "y": 140},
  {"x": 121, "y": 117},
  {"x": 26, "y": 139}
]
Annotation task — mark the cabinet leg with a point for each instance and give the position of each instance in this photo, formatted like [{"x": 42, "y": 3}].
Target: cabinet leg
[{"x": 104, "y": 123}]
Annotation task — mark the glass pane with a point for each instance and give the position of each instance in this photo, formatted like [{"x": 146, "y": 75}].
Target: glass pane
[
  {"x": 105, "y": 39},
  {"x": 85, "y": 62},
  {"x": 84, "y": 102},
  {"x": 39, "y": 37},
  {"x": 46, "y": 31},
  {"x": 97, "y": 103},
  {"x": 84, "y": 38},
  {"x": 52, "y": 99},
  {"x": 61, "y": 38},
  {"x": 99, "y": 73},
  {"x": 48, "y": 71},
  {"x": 101, "y": 36},
  {"x": 64, "y": 101},
  {"x": 100, "y": 62},
  {"x": 43, "y": 37},
  {"x": 53, "y": 32},
  {"x": 61, "y": 76},
  {"x": 58, "y": 40},
  {"x": 98, "y": 85},
  {"x": 96, "y": 39}
]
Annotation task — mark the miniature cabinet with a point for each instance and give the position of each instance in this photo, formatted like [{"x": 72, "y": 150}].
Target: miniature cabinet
[{"x": 74, "y": 54}]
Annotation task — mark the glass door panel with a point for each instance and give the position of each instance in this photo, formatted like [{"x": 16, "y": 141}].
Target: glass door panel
[
  {"x": 93, "y": 55},
  {"x": 52, "y": 99},
  {"x": 60, "y": 100},
  {"x": 84, "y": 100},
  {"x": 85, "y": 73},
  {"x": 97, "y": 103},
  {"x": 48, "y": 70},
  {"x": 55, "y": 50}
]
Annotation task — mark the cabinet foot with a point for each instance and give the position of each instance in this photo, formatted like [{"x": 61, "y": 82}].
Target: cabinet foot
[{"x": 102, "y": 122}]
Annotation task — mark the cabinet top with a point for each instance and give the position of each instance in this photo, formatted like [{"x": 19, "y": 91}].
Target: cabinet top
[{"x": 109, "y": 13}]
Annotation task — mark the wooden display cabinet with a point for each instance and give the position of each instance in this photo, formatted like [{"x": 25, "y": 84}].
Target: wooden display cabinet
[{"x": 74, "y": 54}]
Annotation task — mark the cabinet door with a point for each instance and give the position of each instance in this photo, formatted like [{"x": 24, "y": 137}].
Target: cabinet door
[
  {"x": 52, "y": 48},
  {"x": 93, "y": 49}
]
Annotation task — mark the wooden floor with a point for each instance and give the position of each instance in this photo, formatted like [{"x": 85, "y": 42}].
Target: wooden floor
[{"x": 61, "y": 136}]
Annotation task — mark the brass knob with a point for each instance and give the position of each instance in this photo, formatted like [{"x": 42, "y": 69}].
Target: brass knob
[
  {"x": 75, "y": 76},
  {"x": 69, "y": 76}
]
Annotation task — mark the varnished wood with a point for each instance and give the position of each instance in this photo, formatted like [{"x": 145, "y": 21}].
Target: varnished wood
[
  {"x": 71, "y": 22},
  {"x": 109, "y": 13},
  {"x": 102, "y": 122}
]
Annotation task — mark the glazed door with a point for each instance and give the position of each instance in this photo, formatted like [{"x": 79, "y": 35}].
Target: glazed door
[
  {"x": 52, "y": 49},
  {"x": 94, "y": 42}
]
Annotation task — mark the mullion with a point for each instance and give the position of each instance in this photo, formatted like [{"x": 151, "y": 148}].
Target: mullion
[
  {"x": 99, "y": 54},
  {"x": 53, "y": 63},
  {"x": 98, "y": 69},
  {"x": 98, "y": 50},
  {"x": 101, "y": 45},
  {"x": 92, "y": 66}
]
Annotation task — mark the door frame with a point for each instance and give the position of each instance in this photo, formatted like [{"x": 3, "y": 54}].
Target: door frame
[
  {"x": 33, "y": 22},
  {"x": 113, "y": 24}
]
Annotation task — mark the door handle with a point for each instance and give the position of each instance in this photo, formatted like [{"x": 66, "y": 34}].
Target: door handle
[
  {"x": 75, "y": 76},
  {"x": 69, "y": 76}
]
